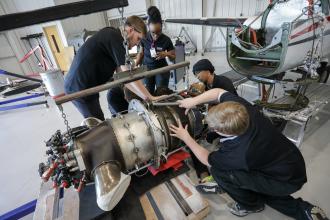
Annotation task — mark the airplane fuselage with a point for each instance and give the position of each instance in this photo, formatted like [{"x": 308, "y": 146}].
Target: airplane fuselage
[{"x": 282, "y": 38}]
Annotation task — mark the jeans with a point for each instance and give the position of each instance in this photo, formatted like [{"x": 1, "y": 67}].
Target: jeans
[
  {"x": 160, "y": 80},
  {"x": 252, "y": 190},
  {"x": 198, "y": 165},
  {"x": 89, "y": 107},
  {"x": 116, "y": 100}
]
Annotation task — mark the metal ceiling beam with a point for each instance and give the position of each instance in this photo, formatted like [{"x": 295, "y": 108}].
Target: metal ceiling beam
[
  {"x": 22, "y": 19},
  {"x": 217, "y": 22}
]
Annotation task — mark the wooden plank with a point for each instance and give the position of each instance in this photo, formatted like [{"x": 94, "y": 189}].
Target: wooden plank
[
  {"x": 71, "y": 204},
  {"x": 50, "y": 206},
  {"x": 183, "y": 186},
  {"x": 202, "y": 213},
  {"x": 45, "y": 203},
  {"x": 168, "y": 206},
  {"x": 147, "y": 208},
  {"x": 187, "y": 190}
]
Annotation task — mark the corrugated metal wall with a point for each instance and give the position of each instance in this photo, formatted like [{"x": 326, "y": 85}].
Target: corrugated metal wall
[
  {"x": 8, "y": 59},
  {"x": 19, "y": 47},
  {"x": 65, "y": 27},
  {"x": 181, "y": 9},
  {"x": 135, "y": 7},
  {"x": 94, "y": 22}
]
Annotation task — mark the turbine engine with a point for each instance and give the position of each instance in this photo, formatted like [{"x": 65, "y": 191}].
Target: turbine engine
[{"x": 108, "y": 152}]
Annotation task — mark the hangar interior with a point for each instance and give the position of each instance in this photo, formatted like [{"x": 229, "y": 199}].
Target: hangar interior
[{"x": 38, "y": 49}]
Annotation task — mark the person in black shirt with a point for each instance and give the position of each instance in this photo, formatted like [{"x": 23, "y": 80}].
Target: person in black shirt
[
  {"x": 154, "y": 49},
  {"x": 96, "y": 61},
  {"x": 256, "y": 164},
  {"x": 204, "y": 71}
]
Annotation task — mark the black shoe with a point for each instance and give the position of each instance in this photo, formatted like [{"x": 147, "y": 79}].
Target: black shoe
[
  {"x": 209, "y": 188},
  {"x": 235, "y": 209},
  {"x": 316, "y": 213}
]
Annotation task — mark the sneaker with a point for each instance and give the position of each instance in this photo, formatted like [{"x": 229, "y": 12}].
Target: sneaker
[
  {"x": 209, "y": 188},
  {"x": 235, "y": 209},
  {"x": 208, "y": 179},
  {"x": 316, "y": 213}
]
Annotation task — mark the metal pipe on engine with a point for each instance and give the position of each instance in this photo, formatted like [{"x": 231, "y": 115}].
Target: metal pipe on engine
[
  {"x": 165, "y": 103},
  {"x": 128, "y": 79}
]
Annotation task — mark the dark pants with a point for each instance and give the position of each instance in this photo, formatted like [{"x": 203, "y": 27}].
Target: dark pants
[
  {"x": 89, "y": 107},
  {"x": 160, "y": 80},
  {"x": 198, "y": 165},
  {"x": 251, "y": 190},
  {"x": 116, "y": 100}
]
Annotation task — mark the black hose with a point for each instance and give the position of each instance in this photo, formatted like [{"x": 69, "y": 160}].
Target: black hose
[{"x": 19, "y": 76}]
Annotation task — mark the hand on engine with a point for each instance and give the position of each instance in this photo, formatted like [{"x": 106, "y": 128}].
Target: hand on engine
[
  {"x": 180, "y": 131},
  {"x": 187, "y": 103}
]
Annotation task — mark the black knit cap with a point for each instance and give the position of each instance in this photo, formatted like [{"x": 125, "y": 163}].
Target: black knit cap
[{"x": 203, "y": 64}]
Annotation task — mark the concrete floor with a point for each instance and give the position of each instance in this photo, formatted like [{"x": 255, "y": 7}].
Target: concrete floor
[{"x": 24, "y": 131}]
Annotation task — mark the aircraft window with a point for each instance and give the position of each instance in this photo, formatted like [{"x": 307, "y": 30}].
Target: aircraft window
[
  {"x": 283, "y": 11},
  {"x": 286, "y": 12}
]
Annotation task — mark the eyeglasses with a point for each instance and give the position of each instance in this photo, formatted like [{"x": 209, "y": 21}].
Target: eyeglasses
[{"x": 197, "y": 72}]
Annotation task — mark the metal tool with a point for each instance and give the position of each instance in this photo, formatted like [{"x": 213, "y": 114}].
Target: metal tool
[{"x": 165, "y": 103}]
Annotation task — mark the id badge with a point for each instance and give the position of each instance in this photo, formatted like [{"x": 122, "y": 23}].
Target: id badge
[{"x": 153, "y": 52}]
